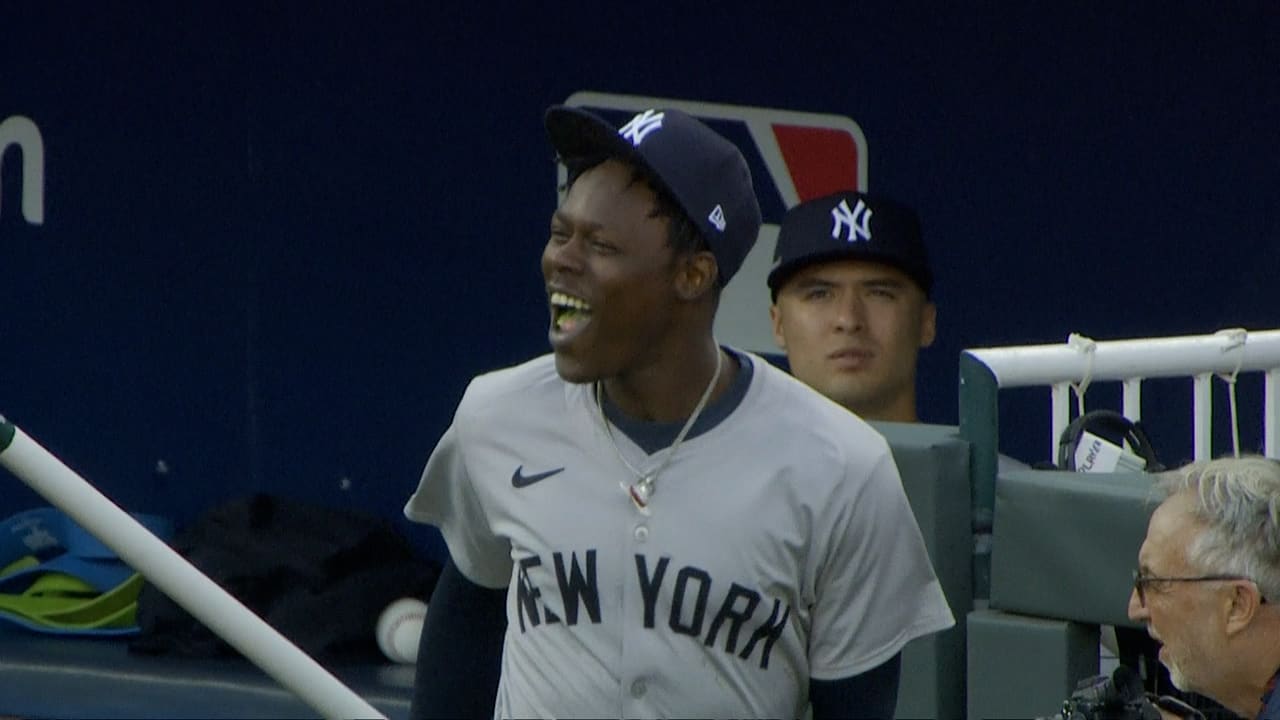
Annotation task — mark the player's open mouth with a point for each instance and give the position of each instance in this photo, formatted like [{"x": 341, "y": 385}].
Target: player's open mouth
[{"x": 568, "y": 312}]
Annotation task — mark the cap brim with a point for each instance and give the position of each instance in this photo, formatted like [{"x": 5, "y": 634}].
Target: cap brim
[
  {"x": 781, "y": 274},
  {"x": 577, "y": 133}
]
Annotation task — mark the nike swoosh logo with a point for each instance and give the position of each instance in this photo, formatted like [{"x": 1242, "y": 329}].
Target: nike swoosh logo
[{"x": 519, "y": 480}]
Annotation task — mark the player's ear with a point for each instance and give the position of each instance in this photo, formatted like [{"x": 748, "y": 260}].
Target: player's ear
[
  {"x": 928, "y": 324},
  {"x": 696, "y": 275},
  {"x": 775, "y": 320}
]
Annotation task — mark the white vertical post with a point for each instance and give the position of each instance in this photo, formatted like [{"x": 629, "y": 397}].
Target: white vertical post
[
  {"x": 1202, "y": 416},
  {"x": 1061, "y": 393},
  {"x": 1271, "y": 413},
  {"x": 1133, "y": 398}
]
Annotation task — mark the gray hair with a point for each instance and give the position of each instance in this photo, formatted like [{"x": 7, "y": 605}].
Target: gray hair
[{"x": 1238, "y": 499}]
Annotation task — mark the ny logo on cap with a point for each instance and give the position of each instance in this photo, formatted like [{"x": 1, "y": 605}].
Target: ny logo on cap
[
  {"x": 717, "y": 218},
  {"x": 857, "y": 221},
  {"x": 639, "y": 127}
]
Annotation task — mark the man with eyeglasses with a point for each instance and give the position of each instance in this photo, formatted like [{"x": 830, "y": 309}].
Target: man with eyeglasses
[{"x": 1209, "y": 563}]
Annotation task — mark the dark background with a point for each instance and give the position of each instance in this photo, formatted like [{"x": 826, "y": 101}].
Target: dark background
[{"x": 280, "y": 237}]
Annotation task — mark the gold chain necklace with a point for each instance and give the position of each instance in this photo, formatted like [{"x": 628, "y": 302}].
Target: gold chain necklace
[{"x": 642, "y": 489}]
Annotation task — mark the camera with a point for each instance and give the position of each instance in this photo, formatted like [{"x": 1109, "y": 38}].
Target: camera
[{"x": 1119, "y": 697}]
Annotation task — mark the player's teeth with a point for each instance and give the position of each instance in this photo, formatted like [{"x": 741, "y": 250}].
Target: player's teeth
[{"x": 562, "y": 300}]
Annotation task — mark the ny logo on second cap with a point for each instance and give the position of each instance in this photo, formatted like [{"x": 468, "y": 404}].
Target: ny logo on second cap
[
  {"x": 639, "y": 127},
  {"x": 857, "y": 221}
]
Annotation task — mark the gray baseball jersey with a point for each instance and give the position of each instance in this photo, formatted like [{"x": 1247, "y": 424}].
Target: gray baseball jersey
[{"x": 779, "y": 547}]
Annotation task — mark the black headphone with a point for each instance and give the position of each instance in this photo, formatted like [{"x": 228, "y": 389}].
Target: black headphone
[{"x": 1106, "y": 424}]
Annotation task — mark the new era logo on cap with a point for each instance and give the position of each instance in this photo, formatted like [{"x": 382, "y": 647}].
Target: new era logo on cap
[{"x": 717, "y": 218}]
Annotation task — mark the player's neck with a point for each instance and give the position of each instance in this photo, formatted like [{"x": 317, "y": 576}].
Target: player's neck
[
  {"x": 668, "y": 393},
  {"x": 900, "y": 409}
]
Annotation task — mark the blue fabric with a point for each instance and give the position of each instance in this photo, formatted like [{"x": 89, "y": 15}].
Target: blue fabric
[
  {"x": 872, "y": 694},
  {"x": 1271, "y": 700},
  {"x": 62, "y": 546},
  {"x": 44, "y": 543},
  {"x": 460, "y": 655}
]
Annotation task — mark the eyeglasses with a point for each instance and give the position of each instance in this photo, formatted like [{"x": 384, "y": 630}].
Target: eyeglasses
[{"x": 1140, "y": 582}]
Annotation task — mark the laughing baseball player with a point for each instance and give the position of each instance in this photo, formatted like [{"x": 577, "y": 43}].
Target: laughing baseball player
[{"x": 669, "y": 526}]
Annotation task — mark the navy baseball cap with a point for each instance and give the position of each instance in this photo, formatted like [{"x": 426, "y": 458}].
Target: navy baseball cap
[
  {"x": 705, "y": 173},
  {"x": 850, "y": 225}
]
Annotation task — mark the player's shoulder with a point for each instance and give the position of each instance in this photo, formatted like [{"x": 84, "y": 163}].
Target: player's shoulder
[
  {"x": 803, "y": 407},
  {"x": 513, "y": 387},
  {"x": 812, "y": 419}
]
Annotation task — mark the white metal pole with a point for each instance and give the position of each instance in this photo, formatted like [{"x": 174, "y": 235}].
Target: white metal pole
[
  {"x": 1133, "y": 398},
  {"x": 1132, "y": 401},
  {"x": 1059, "y": 395},
  {"x": 1202, "y": 419},
  {"x": 1271, "y": 414},
  {"x": 1031, "y": 365},
  {"x": 178, "y": 579}
]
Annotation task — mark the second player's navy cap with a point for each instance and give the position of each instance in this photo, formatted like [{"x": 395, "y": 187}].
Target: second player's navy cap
[
  {"x": 704, "y": 172},
  {"x": 850, "y": 225}
]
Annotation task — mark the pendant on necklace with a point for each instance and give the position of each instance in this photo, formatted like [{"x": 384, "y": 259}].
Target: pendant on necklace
[{"x": 640, "y": 493}]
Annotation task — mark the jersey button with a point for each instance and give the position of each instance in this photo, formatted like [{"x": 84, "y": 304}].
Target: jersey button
[
  {"x": 638, "y": 689},
  {"x": 641, "y": 533}
]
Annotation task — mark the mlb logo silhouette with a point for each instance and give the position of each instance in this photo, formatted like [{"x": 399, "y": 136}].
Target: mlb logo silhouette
[{"x": 793, "y": 156}]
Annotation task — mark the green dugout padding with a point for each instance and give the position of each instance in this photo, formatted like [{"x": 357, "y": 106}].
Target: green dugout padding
[
  {"x": 934, "y": 464},
  {"x": 1065, "y": 544},
  {"x": 1024, "y": 667}
]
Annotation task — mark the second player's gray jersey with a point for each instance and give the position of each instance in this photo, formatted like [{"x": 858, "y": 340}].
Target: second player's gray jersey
[{"x": 779, "y": 547}]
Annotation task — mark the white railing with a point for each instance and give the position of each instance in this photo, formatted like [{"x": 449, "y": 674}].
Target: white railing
[{"x": 1081, "y": 361}]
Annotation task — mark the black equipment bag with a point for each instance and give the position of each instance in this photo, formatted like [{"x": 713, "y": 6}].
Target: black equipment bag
[{"x": 318, "y": 575}]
